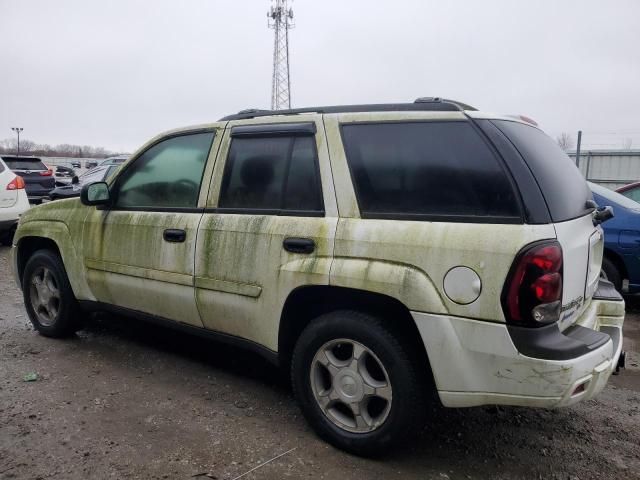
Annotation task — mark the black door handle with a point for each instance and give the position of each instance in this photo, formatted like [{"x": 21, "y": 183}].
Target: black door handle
[
  {"x": 174, "y": 235},
  {"x": 299, "y": 245}
]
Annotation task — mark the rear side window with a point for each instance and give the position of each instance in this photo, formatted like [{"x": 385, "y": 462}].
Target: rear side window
[
  {"x": 563, "y": 186},
  {"x": 24, "y": 164},
  {"x": 275, "y": 175},
  {"x": 428, "y": 171}
]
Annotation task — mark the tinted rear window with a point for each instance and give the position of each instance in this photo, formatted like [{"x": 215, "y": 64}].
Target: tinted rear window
[
  {"x": 563, "y": 186},
  {"x": 427, "y": 170},
  {"x": 274, "y": 173},
  {"x": 24, "y": 164}
]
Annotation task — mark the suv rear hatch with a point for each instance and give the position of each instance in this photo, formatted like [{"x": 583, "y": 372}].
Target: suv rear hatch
[
  {"x": 38, "y": 178},
  {"x": 568, "y": 197}
]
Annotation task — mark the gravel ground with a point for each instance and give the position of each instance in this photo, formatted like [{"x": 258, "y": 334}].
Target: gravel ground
[{"x": 123, "y": 401}]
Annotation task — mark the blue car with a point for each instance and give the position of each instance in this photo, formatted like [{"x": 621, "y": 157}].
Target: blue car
[{"x": 621, "y": 262}]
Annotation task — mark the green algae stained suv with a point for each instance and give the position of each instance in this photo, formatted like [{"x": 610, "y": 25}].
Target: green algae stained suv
[{"x": 388, "y": 256}]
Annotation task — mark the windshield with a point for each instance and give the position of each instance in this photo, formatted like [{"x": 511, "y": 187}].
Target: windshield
[{"x": 614, "y": 197}]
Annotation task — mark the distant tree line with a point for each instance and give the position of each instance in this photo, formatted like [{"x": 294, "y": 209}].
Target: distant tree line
[{"x": 28, "y": 147}]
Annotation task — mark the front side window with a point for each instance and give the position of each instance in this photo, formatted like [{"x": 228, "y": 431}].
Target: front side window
[
  {"x": 277, "y": 174},
  {"x": 167, "y": 175},
  {"x": 427, "y": 170}
]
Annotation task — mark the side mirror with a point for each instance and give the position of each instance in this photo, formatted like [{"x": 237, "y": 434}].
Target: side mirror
[
  {"x": 75, "y": 180},
  {"x": 96, "y": 193},
  {"x": 602, "y": 214}
]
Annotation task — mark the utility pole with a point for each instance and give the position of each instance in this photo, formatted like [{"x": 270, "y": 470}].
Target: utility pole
[
  {"x": 578, "y": 148},
  {"x": 18, "y": 130},
  {"x": 280, "y": 20}
]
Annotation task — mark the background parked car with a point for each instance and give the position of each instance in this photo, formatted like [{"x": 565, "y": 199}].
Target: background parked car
[
  {"x": 76, "y": 163},
  {"x": 117, "y": 160},
  {"x": 621, "y": 263},
  {"x": 631, "y": 191},
  {"x": 13, "y": 202},
  {"x": 98, "y": 174},
  {"x": 37, "y": 176},
  {"x": 64, "y": 175},
  {"x": 89, "y": 164}
]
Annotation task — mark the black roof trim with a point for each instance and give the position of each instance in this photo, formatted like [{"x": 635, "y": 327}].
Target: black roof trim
[{"x": 429, "y": 104}]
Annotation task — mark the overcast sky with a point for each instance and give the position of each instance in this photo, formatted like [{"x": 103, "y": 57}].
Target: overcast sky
[{"x": 114, "y": 73}]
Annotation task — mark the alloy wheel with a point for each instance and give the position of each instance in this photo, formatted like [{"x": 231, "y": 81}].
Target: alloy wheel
[{"x": 351, "y": 385}]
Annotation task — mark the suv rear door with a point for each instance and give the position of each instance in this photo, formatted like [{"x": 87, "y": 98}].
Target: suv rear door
[
  {"x": 566, "y": 194},
  {"x": 38, "y": 178},
  {"x": 269, "y": 225}
]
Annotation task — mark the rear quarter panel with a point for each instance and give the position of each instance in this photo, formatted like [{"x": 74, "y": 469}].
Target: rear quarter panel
[{"x": 409, "y": 260}]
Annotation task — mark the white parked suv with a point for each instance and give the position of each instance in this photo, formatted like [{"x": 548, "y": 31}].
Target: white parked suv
[
  {"x": 13, "y": 202},
  {"x": 383, "y": 255}
]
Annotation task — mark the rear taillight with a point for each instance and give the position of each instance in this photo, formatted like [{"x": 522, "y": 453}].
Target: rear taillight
[
  {"x": 46, "y": 173},
  {"x": 532, "y": 295},
  {"x": 16, "y": 184}
]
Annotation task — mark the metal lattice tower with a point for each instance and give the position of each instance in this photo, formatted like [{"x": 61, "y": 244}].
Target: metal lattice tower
[{"x": 281, "y": 20}]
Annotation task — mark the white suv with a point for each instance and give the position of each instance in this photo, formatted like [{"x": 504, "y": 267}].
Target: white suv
[
  {"x": 383, "y": 255},
  {"x": 13, "y": 202}
]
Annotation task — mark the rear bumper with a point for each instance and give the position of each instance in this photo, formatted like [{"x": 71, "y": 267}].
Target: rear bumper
[
  {"x": 6, "y": 225},
  {"x": 38, "y": 192},
  {"x": 477, "y": 363}
]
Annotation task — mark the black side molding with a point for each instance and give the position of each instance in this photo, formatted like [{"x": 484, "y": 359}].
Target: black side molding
[
  {"x": 268, "y": 354},
  {"x": 274, "y": 129}
]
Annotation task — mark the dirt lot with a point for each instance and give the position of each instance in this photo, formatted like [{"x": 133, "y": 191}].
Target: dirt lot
[{"x": 123, "y": 401}]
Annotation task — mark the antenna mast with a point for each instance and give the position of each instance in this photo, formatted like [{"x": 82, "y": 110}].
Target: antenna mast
[{"x": 281, "y": 20}]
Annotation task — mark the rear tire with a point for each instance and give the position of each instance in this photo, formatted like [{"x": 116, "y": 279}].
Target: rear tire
[
  {"x": 48, "y": 298},
  {"x": 612, "y": 273},
  {"x": 358, "y": 382}
]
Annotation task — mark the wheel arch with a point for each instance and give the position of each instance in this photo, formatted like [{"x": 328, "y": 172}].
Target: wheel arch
[
  {"x": 28, "y": 245},
  {"x": 308, "y": 302},
  {"x": 617, "y": 260},
  {"x": 55, "y": 236}
]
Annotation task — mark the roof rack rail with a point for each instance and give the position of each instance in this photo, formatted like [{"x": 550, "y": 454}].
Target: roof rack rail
[{"x": 420, "y": 104}]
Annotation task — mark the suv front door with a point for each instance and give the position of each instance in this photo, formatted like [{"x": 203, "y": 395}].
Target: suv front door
[{"x": 139, "y": 252}]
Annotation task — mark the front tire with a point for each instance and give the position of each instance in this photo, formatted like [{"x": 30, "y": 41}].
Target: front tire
[
  {"x": 358, "y": 383},
  {"x": 48, "y": 298}
]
